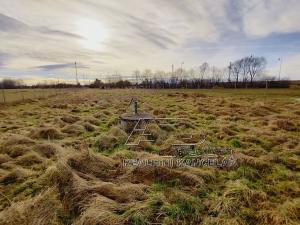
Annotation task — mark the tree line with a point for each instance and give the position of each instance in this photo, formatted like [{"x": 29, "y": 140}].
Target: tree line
[{"x": 247, "y": 72}]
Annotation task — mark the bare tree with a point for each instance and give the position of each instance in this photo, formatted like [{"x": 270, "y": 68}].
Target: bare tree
[
  {"x": 236, "y": 70},
  {"x": 257, "y": 65},
  {"x": 203, "y": 71},
  {"x": 229, "y": 72},
  {"x": 218, "y": 75},
  {"x": 245, "y": 68},
  {"x": 147, "y": 74},
  {"x": 137, "y": 75},
  {"x": 11, "y": 83},
  {"x": 161, "y": 76}
]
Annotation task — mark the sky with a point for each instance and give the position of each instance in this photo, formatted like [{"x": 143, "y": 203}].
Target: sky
[{"x": 41, "y": 39}]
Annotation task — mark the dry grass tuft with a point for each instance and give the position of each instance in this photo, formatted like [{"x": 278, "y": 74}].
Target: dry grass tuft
[
  {"x": 254, "y": 162},
  {"x": 47, "y": 133},
  {"x": 287, "y": 213},
  {"x": 100, "y": 210},
  {"x": 60, "y": 174},
  {"x": 91, "y": 200},
  {"x": 58, "y": 122},
  {"x": 221, "y": 221},
  {"x": 106, "y": 142},
  {"x": 47, "y": 149},
  {"x": 16, "y": 139},
  {"x": 70, "y": 118},
  {"x": 44, "y": 209},
  {"x": 73, "y": 129},
  {"x": 118, "y": 133},
  {"x": 99, "y": 166},
  {"x": 92, "y": 120},
  {"x": 285, "y": 124},
  {"x": 207, "y": 174},
  {"x": 60, "y": 106},
  {"x": 16, "y": 175},
  {"x": 236, "y": 196},
  {"x": 243, "y": 194},
  {"x": 122, "y": 193},
  {"x": 156, "y": 133},
  {"x": 15, "y": 151},
  {"x": 4, "y": 158},
  {"x": 29, "y": 159},
  {"x": 88, "y": 126},
  {"x": 158, "y": 112},
  {"x": 149, "y": 175}
]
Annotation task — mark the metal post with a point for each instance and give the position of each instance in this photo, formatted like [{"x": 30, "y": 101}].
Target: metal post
[
  {"x": 280, "y": 59},
  {"x": 136, "y": 107},
  {"x": 266, "y": 91},
  {"x": 76, "y": 73}
]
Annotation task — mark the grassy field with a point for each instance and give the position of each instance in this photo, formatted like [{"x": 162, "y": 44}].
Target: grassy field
[
  {"x": 61, "y": 159},
  {"x": 19, "y": 95}
]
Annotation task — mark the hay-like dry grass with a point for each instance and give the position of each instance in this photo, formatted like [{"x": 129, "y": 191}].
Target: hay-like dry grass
[
  {"x": 47, "y": 133},
  {"x": 61, "y": 159}
]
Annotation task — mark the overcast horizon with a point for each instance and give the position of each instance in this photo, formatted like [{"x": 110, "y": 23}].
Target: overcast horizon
[{"x": 41, "y": 40}]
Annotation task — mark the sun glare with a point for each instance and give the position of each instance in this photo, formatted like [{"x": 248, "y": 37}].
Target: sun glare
[{"x": 94, "y": 33}]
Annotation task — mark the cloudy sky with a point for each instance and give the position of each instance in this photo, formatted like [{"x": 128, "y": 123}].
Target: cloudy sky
[{"x": 41, "y": 39}]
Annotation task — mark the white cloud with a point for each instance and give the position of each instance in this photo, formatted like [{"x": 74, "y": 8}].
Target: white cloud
[
  {"x": 138, "y": 33},
  {"x": 263, "y": 17}
]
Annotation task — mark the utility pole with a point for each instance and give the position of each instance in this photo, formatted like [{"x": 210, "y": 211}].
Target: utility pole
[
  {"x": 279, "y": 59},
  {"x": 76, "y": 73}
]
